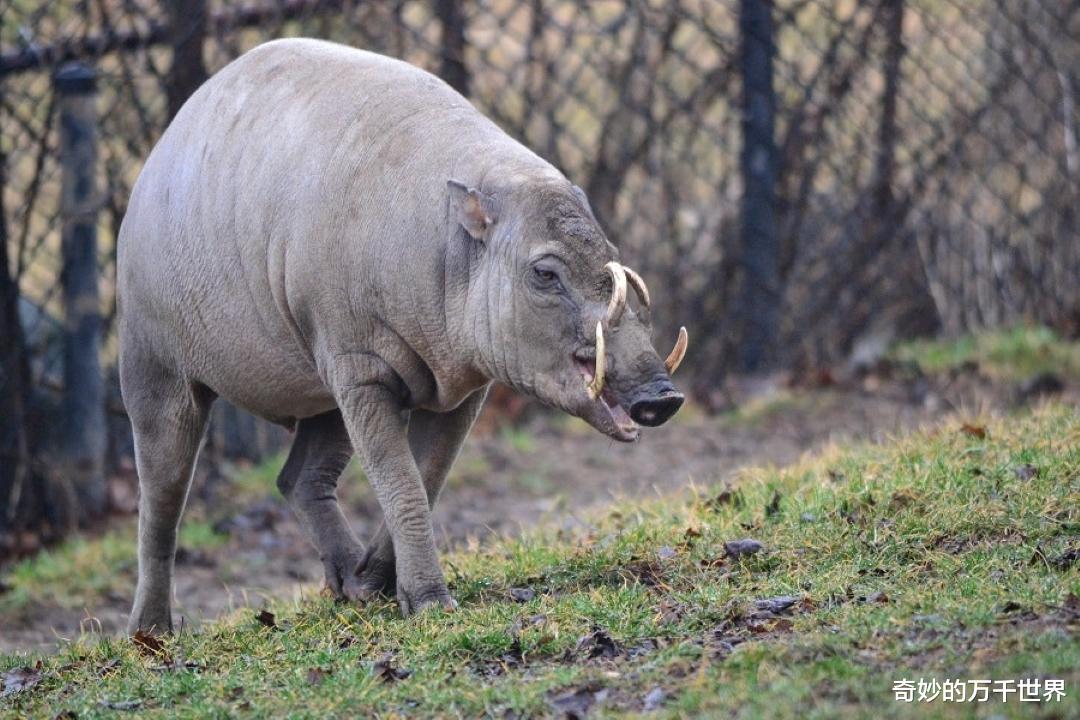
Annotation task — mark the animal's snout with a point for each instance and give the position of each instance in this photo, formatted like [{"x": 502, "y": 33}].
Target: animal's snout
[{"x": 656, "y": 405}]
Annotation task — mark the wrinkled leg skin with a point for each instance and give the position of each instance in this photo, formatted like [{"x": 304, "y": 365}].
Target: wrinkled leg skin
[
  {"x": 435, "y": 439},
  {"x": 377, "y": 423},
  {"x": 168, "y": 418},
  {"x": 309, "y": 479},
  {"x": 319, "y": 454}
]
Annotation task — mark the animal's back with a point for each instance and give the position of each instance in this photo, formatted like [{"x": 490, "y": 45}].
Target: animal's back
[{"x": 246, "y": 220}]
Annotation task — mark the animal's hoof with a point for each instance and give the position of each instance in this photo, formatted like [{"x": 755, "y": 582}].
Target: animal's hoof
[
  {"x": 375, "y": 576},
  {"x": 150, "y": 624},
  {"x": 436, "y": 597},
  {"x": 343, "y": 573}
]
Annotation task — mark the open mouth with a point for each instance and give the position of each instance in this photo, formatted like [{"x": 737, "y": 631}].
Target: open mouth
[{"x": 619, "y": 426}]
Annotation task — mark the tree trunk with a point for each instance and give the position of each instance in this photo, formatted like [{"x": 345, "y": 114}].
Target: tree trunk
[
  {"x": 887, "y": 129},
  {"x": 187, "y": 31},
  {"x": 452, "y": 68},
  {"x": 759, "y": 300}
]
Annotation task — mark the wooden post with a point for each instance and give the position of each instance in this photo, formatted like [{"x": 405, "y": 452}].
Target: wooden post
[
  {"x": 759, "y": 301},
  {"x": 84, "y": 433}
]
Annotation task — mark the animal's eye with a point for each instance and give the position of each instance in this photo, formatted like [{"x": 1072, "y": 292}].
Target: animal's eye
[{"x": 545, "y": 275}]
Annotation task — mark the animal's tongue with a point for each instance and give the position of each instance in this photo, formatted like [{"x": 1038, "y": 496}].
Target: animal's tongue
[
  {"x": 587, "y": 366},
  {"x": 621, "y": 417}
]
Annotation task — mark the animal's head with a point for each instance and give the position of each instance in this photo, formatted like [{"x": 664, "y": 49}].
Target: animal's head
[{"x": 556, "y": 315}]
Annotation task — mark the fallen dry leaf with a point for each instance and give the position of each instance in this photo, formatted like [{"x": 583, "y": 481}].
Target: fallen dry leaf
[
  {"x": 1066, "y": 560},
  {"x": 878, "y": 596},
  {"x": 726, "y": 496},
  {"x": 385, "y": 669},
  {"x": 147, "y": 644},
  {"x": 760, "y": 626},
  {"x": 647, "y": 572},
  {"x": 670, "y": 611},
  {"x": 597, "y": 644},
  {"x": 774, "y": 505},
  {"x": 903, "y": 498},
  {"x": 975, "y": 431}
]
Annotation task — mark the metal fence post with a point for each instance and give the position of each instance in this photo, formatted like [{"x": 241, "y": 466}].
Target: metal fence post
[
  {"x": 759, "y": 301},
  {"x": 14, "y": 451},
  {"x": 83, "y": 443}
]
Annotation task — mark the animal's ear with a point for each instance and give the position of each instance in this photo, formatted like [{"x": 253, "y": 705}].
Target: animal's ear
[
  {"x": 473, "y": 209},
  {"x": 580, "y": 195}
]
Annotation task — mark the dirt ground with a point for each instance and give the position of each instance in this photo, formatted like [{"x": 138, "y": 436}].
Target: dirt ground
[{"x": 548, "y": 471}]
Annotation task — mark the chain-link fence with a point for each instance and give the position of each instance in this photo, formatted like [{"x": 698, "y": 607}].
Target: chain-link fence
[{"x": 791, "y": 176}]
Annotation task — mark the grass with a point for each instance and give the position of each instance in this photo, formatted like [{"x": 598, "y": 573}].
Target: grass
[
  {"x": 80, "y": 571},
  {"x": 944, "y": 555},
  {"x": 1013, "y": 354}
]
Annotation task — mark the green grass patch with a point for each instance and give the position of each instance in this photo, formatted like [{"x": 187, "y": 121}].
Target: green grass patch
[
  {"x": 81, "y": 570},
  {"x": 943, "y": 555},
  {"x": 1009, "y": 354},
  {"x": 757, "y": 411},
  {"x": 257, "y": 481}
]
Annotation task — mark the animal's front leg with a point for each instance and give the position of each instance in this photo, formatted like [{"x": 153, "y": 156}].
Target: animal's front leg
[
  {"x": 435, "y": 440},
  {"x": 377, "y": 426}
]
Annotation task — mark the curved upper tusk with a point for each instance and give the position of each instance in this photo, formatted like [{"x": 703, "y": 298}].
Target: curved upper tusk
[
  {"x": 596, "y": 386},
  {"x": 638, "y": 285},
  {"x": 677, "y": 352},
  {"x": 617, "y": 304}
]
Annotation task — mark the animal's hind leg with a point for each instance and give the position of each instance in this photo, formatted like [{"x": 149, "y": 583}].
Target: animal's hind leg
[
  {"x": 168, "y": 418},
  {"x": 309, "y": 479}
]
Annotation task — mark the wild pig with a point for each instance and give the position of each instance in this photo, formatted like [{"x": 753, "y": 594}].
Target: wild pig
[{"x": 341, "y": 243}]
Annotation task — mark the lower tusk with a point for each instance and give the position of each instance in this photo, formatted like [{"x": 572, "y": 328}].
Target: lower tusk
[
  {"x": 677, "y": 352},
  {"x": 596, "y": 386},
  {"x": 638, "y": 285},
  {"x": 618, "y": 293}
]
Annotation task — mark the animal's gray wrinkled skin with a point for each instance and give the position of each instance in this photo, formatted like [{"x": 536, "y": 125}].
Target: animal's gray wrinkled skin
[{"x": 338, "y": 241}]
